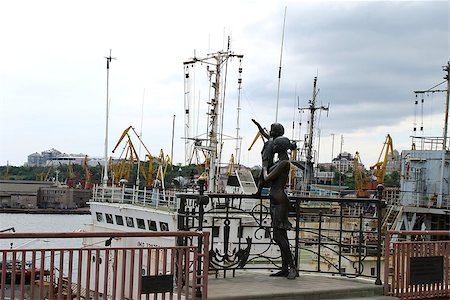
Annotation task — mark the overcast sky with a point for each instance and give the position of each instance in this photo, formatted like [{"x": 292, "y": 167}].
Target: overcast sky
[{"x": 369, "y": 57}]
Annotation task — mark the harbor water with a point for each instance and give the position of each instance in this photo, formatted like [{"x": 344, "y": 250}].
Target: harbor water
[{"x": 42, "y": 223}]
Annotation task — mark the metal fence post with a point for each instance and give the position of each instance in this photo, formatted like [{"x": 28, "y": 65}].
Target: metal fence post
[
  {"x": 297, "y": 231},
  {"x": 380, "y": 189}
]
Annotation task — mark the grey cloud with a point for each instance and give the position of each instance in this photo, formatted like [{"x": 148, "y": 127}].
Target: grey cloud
[{"x": 371, "y": 56}]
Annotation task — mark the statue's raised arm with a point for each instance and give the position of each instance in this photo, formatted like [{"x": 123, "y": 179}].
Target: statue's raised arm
[{"x": 261, "y": 130}]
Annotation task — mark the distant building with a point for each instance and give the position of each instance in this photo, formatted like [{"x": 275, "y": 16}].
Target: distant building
[
  {"x": 62, "y": 197},
  {"x": 323, "y": 177},
  {"x": 41, "y": 194},
  {"x": 65, "y": 160},
  {"x": 327, "y": 167},
  {"x": 54, "y": 157},
  {"x": 40, "y": 160},
  {"x": 343, "y": 162},
  {"x": 20, "y": 193},
  {"x": 393, "y": 163},
  {"x": 324, "y": 174}
]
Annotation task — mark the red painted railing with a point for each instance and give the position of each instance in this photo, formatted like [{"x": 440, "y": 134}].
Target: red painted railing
[
  {"x": 99, "y": 269},
  {"x": 416, "y": 267}
]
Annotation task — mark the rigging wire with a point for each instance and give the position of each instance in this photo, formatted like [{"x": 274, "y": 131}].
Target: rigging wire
[
  {"x": 210, "y": 73},
  {"x": 293, "y": 114},
  {"x": 222, "y": 107},
  {"x": 238, "y": 140},
  {"x": 187, "y": 116},
  {"x": 140, "y": 136},
  {"x": 421, "y": 115},
  {"x": 415, "y": 116},
  {"x": 431, "y": 108},
  {"x": 299, "y": 119},
  {"x": 198, "y": 114},
  {"x": 318, "y": 133}
]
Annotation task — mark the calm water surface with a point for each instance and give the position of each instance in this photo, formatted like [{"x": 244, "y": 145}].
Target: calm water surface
[{"x": 42, "y": 223}]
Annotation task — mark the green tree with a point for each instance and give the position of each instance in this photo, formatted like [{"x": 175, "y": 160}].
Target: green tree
[{"x": 392, "y": 179}]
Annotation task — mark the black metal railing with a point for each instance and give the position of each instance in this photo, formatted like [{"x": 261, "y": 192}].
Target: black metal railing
[{"x": 329, "y": 235}]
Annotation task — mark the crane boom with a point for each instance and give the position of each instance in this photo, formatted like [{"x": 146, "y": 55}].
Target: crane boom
[
  {"x": 379, "y": 168},
  {"x": 360, "y": 177}
]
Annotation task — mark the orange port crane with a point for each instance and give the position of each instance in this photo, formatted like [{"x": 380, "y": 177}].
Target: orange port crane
[{"x": 379, "y": 169}]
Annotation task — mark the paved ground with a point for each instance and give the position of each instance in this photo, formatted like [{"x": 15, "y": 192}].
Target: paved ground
[{"x": 252, "y": 285}]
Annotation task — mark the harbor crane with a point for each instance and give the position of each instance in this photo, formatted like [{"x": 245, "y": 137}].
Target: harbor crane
[
  {"x": 87, "y": 174},
  {"x": 359, "y": 174},
  {"x": 129, "y": 156},
  {"x": 379, "y": 169}
]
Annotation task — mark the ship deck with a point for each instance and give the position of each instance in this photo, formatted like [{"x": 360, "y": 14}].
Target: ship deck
[{"x": 259, "y": 285}]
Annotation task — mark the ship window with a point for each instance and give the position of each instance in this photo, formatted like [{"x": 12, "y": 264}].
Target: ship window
[
  {"x": 130, "y": 221},
  {"x": 119, "y": 220},
  {"x": 109, "y": 218},
  {"x": 152, "y": 225},
  {"x": 140, "y": 223},
  {"x": 164, "y": 226},
  {"x": 233, "y": 181},
  {"x": 99, "y": 217},
  {"x": 215, "y": 231}
]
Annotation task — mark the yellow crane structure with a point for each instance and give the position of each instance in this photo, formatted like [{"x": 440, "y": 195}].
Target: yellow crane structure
[
  {"x": 124, "y": 165},
  {"x": 359, "y": 174},
  {"x": 44, "y": 176},
  {"x": 230, "y": 168},
  {"x": 70, "y": 175},
  {"x": 258, "y": 135},
  {"x": 201, "y": 159},
  {"x": 379, "y": 169},
  {"x": 163, "y": 162},
  {"x": 87, "y": 174}
]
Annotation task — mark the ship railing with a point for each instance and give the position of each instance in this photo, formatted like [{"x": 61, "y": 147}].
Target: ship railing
[
  {"x": 446, "y": 202},
  {"x": 329, "y": 235},
  {"x": 417, "y": 264},
  {"x": 428, "y": 200},
  {"x": 428, "y": 143},
  {"x": 155, "y": 197},
  {"x": 102, "y": 268}
]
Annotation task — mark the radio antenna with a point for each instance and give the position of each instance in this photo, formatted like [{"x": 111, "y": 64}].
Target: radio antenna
[{"x": 279, "y": 69}]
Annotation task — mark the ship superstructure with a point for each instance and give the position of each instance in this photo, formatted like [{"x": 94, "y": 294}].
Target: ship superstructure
[{"x": 424, "y": 199}]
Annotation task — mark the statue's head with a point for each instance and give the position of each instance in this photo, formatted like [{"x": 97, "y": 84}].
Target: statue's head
[
  {"x": 281, "y": 145},
  {"x": 276, "y": 130}
]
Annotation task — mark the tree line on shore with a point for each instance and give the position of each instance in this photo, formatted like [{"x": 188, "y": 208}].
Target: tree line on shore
[{"x": 77, "y": 174}]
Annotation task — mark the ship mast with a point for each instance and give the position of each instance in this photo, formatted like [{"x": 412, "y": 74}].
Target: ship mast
[
  {"x": 447, "y": 91},
  {"x": 217, "y": 61},
  {"x": 446, "y": 77},
  {"x": 433, "y": 89},
  {"x": 238, "y": 112},
  {"x": 105, "y": 175},
  {"x": 309, "y": 143}
]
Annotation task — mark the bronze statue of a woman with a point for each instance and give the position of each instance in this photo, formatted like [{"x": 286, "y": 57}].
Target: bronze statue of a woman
[
  {"x": 277, "y": 175},
  {"x": 276, "y": 130}
]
